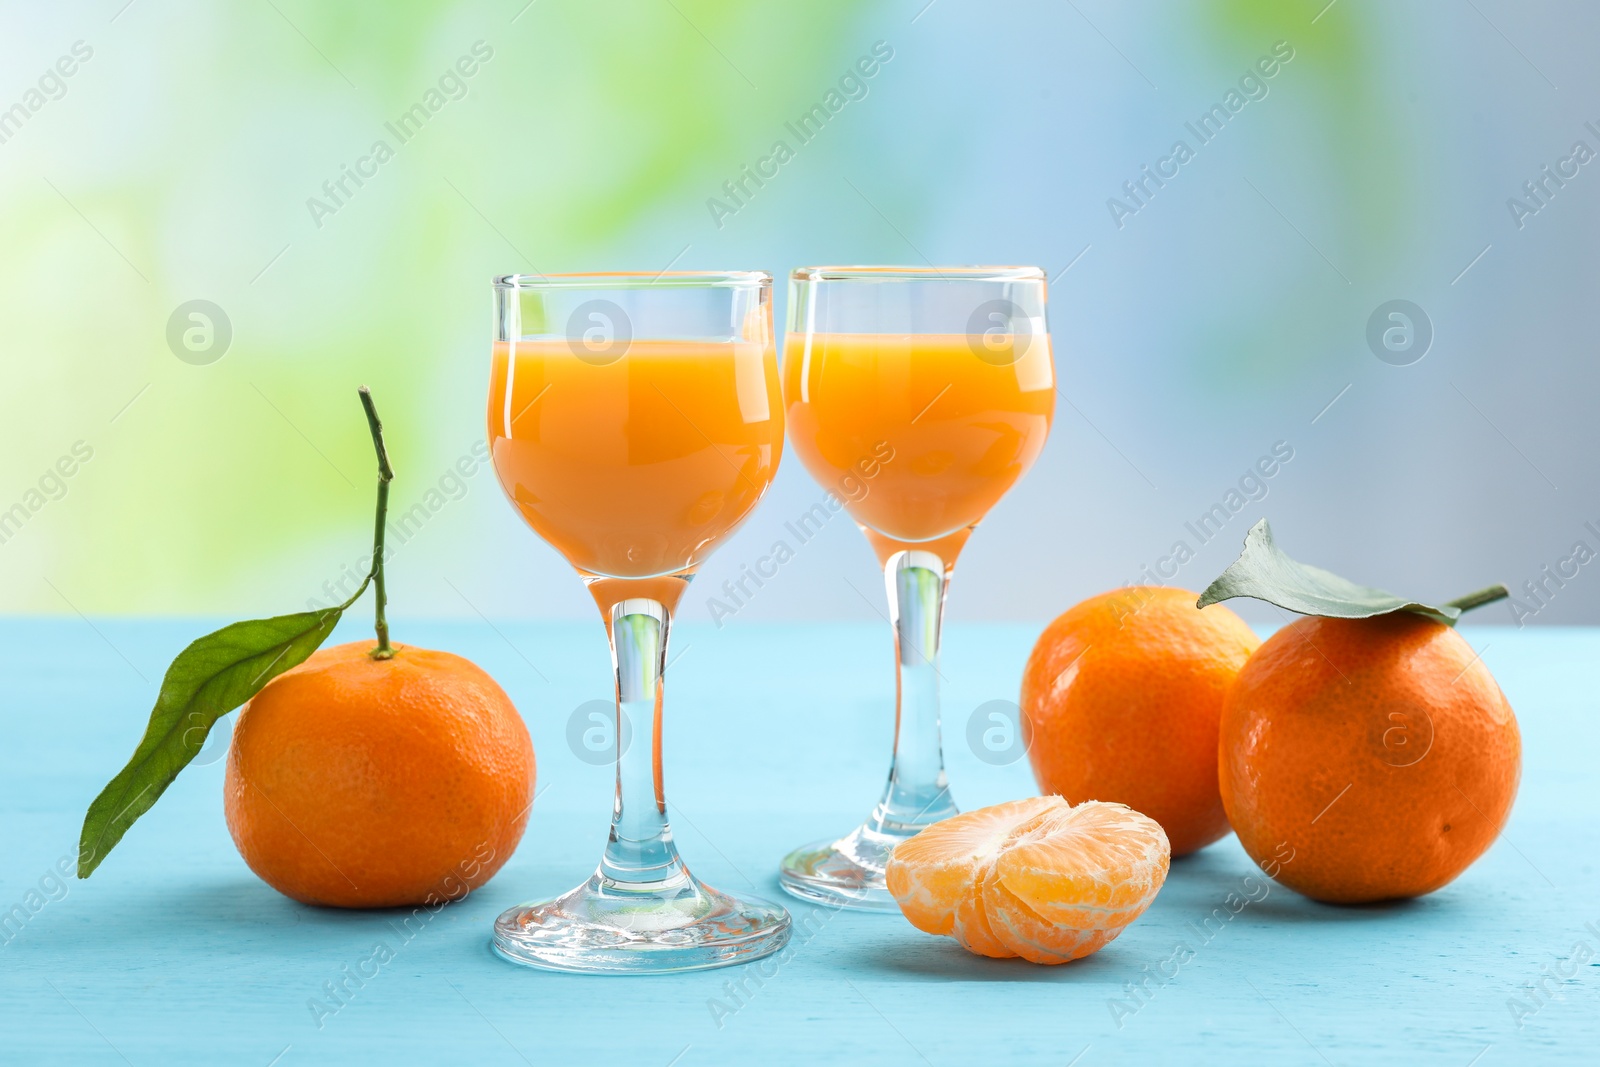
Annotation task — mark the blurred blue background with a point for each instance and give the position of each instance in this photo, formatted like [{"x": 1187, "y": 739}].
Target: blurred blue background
[{"x": 1198, "y": 327}]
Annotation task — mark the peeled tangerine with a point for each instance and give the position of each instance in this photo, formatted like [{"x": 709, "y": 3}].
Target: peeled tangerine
[{"x": 1036, "y": 878}]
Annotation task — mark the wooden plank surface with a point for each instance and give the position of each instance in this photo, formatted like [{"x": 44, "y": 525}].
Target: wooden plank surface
[{"x": 175, "y": 953}]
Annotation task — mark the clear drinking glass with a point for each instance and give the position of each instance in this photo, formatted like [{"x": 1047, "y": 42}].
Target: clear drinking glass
[
  {"x": 918, "y": 397},
  {"x": 634, "y": 421}
]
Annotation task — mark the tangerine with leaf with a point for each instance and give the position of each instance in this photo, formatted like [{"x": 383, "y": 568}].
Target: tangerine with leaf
[
  {"x": 1365, "y": 751},
  {"x": 369, "y": 774}
]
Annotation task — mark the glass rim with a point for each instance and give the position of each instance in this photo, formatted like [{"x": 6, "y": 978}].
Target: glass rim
[
  {"x": 676, "y": 279},
  {"x": 917, "y": 274}
]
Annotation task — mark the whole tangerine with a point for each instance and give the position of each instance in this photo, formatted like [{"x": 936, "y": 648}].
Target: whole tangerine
[
  {"x": 1373, "y": 758},
  {"x": 358, "y": 782},
  {"x": 1121, "y": 697}
]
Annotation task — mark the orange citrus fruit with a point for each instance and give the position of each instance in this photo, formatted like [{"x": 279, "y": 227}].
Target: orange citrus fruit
[
  {"x": 1121, "y": 698},
  {"x": 1036, "y": 878},
  {"x": 362, "y": 783},
  {"x": 1373, "y": 758}
]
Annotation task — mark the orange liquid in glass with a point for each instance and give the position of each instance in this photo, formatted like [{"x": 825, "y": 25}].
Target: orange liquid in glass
[
  {"x": 959, "y": 428},
  {"x": 636, "y": 468}
]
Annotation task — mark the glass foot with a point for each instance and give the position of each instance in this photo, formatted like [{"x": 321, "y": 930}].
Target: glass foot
[
  {"x": 607, "y": 927},
  {"x": 847, "y": 873}
]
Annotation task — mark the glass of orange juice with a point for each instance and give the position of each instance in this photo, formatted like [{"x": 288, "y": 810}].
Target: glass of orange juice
[
  {"x": 917, "y": 397},
  {"x": 634, "y": 422}
]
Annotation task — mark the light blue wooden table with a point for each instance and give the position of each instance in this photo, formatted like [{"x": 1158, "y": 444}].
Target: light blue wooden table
[{"x": 175, "y": 953}]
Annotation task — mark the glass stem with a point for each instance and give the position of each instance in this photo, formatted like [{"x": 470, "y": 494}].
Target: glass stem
[
  {"x": 918, "y": 793},
  {"x": 639, "y": 852}
]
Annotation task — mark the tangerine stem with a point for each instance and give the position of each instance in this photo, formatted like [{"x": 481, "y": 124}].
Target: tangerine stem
[
  {"x": 1477, "y": 600},
  {"x": 385, "y": 476}
]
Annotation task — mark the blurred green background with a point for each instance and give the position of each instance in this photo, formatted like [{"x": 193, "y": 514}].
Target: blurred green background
[{"x": 181, "y": 159}]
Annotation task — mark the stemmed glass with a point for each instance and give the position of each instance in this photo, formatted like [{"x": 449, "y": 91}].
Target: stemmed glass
[
  {"x": 634, "y": 421},
  {"x": 928, "y": 392}
]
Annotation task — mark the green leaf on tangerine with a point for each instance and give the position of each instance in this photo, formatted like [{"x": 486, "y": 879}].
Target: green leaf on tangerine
[
  {"x": 1264, "y": 571},
  {"x": 214, "y": 675}
]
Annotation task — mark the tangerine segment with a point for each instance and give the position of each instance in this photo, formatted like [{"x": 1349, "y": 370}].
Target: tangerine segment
[
  {"x": 1036, "y": 878},
  {"x": 1073, "y": 880},
  {"x": 934, "y": 875}
]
